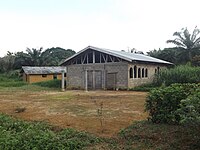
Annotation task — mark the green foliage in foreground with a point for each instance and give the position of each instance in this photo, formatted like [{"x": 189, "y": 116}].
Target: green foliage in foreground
[
  {"x": 50, "y": 84},
  {"x": 179, "y": 74},
  {"x": 174, "y": 104},
  {"x": 189, "y": 110},
  {"x": 145, "y": 135},
  {"x": 16, "y": 134}
]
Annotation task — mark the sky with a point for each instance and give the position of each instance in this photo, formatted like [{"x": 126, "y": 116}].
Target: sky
[{"x": 75, "y": 24}]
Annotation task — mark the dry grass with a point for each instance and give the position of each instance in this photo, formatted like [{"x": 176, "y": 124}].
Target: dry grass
[{"x": 77, "y": 109}]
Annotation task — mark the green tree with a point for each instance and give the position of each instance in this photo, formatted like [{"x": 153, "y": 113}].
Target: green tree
[
  {"x": 187, "y": 43},
  {"x": 167, "y": 54},
  {"x": 196, "y": 60},
  {"x": 57, "y": 55},
  {"x": 38, "y": 57},
  {"x": 7, "y": 62}
]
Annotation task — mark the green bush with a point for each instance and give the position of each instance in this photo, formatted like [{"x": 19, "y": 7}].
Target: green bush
[
  {"x": 179, "y": 74},
  {"x": 189, "y": 110},
  {"x": 16, "y": 134},
  {"x": 163, "y": 103},
  {"x": 11, "y": 80},
  {"x": 144, "y": 87},
  {"x": 50, "y": 84}
]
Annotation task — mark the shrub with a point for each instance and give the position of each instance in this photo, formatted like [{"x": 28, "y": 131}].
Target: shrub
[
  {"x": 163, "y": 103},
  {"x": 17, "y": 134},
  {"x": 189, "y": 110},
  {"x": 179, "y": 74},
  {"x": 50, "y": 84},
  {"x": 144, "y": 87},
  {"x": 11, "y": 80}
]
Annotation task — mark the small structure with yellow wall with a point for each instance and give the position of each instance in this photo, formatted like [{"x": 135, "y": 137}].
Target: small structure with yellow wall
[{"x": 39, "y": 74}]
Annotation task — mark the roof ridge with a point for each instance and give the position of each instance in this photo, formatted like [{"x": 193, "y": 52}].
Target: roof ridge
[{"x": 123, "y": 55}]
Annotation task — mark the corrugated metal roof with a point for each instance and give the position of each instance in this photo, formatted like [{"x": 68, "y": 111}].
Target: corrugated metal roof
[
  {"x": 123, "y": 55},
  {"x": 43, "y": 70}
]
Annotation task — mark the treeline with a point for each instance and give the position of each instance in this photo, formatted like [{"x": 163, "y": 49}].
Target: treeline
[
  {"x": 176, "y": 55},
  {"x": 34, "y": 57},
  {"x": 187, "y": 48}
]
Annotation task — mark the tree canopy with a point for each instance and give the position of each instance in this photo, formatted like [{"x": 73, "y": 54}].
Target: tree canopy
[
  {"x": 34, "y": 57},
  {"x": 187, "y": 48},
  {"x": 186, "y": 42}
]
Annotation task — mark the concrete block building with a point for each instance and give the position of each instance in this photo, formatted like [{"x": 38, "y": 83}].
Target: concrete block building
[{"x": 99, "y": 68}]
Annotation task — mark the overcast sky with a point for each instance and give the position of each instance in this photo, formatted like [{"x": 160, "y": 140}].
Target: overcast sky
[{"x": 75, "y": 24}]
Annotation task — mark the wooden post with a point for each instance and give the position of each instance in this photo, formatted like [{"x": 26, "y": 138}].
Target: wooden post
[
  {"x": 86, "y": 80},
  {"x": 63, "y": 81}
]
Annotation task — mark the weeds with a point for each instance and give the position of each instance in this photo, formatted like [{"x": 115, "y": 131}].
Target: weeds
[
  {"x": 16, "y": 134},
  {"x": 100, "y": 116},
  {"x": 50, "y": 84},
  {"x": 179, "y": 74},
  {"x": 100, "y": 113}
]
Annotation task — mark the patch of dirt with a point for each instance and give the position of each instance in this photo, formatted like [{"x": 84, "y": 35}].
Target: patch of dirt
[{"x": 78, "y": 109}]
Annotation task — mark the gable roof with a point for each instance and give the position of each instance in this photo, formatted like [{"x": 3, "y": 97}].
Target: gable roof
[
  {"x": 130, "y": 57},
  {"x": 42, "y": 70}
]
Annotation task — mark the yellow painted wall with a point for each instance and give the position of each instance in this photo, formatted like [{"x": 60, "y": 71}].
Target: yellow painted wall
[
  {"x": 32, "y": 78},
  {"x": 59, "y": 76}
]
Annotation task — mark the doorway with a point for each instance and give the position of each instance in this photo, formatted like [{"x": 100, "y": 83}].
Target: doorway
[
  {"x": 111, "y": 81},
  {"x": 94, "y": 79}
]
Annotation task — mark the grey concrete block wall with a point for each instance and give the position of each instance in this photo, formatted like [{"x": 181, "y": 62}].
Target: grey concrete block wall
[
  {"x": 121, "y": 70},
  {"x": 76, "y": 73},
  {"x": 133, "y": 82}
]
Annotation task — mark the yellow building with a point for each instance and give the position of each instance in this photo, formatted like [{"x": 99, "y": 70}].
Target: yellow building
[{"x": 39, "y": 74}]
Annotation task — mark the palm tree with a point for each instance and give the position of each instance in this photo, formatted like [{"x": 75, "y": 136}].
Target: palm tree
[
  {"x": 34, "y": 56},
  {"x": 186, "y": 42},
  {"x": 38, "y": 57}
]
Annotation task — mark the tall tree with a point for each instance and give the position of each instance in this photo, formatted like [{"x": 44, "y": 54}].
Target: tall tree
[
  {"x": 187, "y": 43},
  {"x": 38, "y": 57},
  {"x": 7, "y": 62},
  {"x": 57, "y": 55},
  {"x": 167, "y": 54}
]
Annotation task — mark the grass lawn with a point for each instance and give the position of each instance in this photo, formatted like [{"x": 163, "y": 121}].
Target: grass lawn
[{"x": 76, "y": 109}]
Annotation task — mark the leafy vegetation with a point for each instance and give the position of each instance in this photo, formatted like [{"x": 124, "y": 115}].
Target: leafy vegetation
[
  {"x": 179, "y": 74},
  {"x": 187, "y": 42},
  {"x": 187, "y": 48},
  {"x": 167, "y": 54},
  {"x": 189, "y": 110},
  {"x": 50, "y": 84},
  {"x": 16, "y": 134},
  {"x": 11, "y": 79},
  {"x": 165, "y": 103},
  {"x": 147, "y": 135},
  {"x": 34, "y": 57},
  {"x": 144, "y": 87},
  {"x": 176, "y": 55}
]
